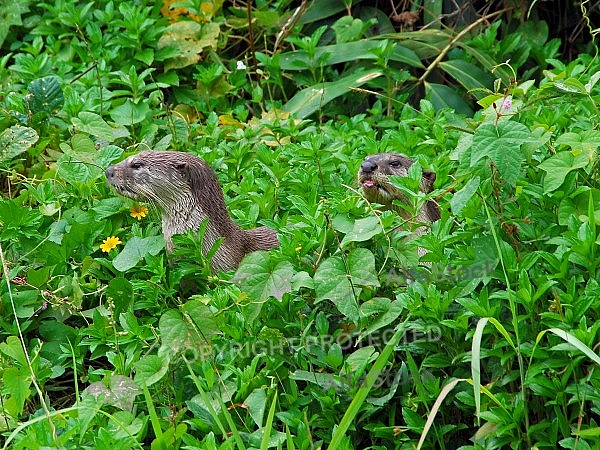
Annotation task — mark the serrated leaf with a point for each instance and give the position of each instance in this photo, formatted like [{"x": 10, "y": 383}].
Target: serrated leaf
[
  {"x": 93, "y": 124},
  {"x": 332, "y": 282},
  {"x": 16, "y": 140},
  {"x": 502, "y": 144},
  {"x": 45, "y": 95},
  {"x": 258, "y": 277},
  {"x": 135, "y": 249}
]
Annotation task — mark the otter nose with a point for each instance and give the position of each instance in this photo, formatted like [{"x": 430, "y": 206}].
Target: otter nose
[
  {"x": 368, "y": 166},
  {"x": 110, "y": 172}
]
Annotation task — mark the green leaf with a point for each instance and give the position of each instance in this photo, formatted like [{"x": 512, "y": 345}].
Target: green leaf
[
  {"x": 445, "y": 97},
  {"x": 13, "y": 349},
  {"x": 130, "y": 113},
  {"x": 190, "y": 332},
  {"x": 10, "y": 14},
  {"x": 347, "y": 52},
  {"x": 468, "y": 75},
  {"x": 189, "y": 39},
  {"x": 460, "y": 199},
  {"x": 16, "y": 384},
  {"x": 150, "y": 369},
  {"x": 93, "y": 124},
  {"x": 16, "y": 140},
  {"x": 45, "y": 95},
  {"x": 311, "y": 99},
  {"x": 384, "y": 312},
  {"x": 260, "y": 277},
  {"x": 332, "y": 282},
  {"x": 363, "y": 230},
  {"x": 502, "y": 144},
  {"x": 135, "y": 249},
  {"x": 587, "y": 141},
  {"x": 572, "y": 86},
  {"x": 558, "y": 166},
  {"x": 256, "y": 405}
]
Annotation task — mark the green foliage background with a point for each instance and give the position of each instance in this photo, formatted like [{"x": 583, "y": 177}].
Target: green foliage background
[{"x": 341, "y": 338}]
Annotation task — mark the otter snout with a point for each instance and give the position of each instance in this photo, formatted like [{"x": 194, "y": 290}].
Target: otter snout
[
  {"x": 110, "y": 174},
  {"x": 368, "y": 166}
]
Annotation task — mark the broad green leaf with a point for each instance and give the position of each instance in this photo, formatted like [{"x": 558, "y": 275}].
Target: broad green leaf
[
  {"x": 16, "y": 140},
  {"x": 13, "y": 349},
  {"x": 256, "y": 405},
  {"x": 45, "y": 95},
  {"x": 16, "y": 383},
  {"x": 469, "y": 76},
  {"x": 571, "y": 85},
  {"x": 332, "y": 282},
  {"x": 363, "y": 230},
  {"x": 120, "y": 392},
  {"x": 189, "y": 38},
  {"x": 558, "y": 166},
  {"x": 77, "y": 165},
  {"x": 135, "y": 249},
  {"x": 384, "y": 312},
  {"x": 93, "y": 124},
  {"x": 460, "y": 199},
  {"x": 190, "y": 333},
  {"x": 10, "y": 14},
  {"x": 587, "y": 141},
  {"x": 309, "y": 100},
  {"x": 130, "y": 113},
  {"x": 502, "y": 144},
  {"x": 445, "y": 97},
  {"x": 261, "y": 278},
  {"x": 150, "y": 369}
]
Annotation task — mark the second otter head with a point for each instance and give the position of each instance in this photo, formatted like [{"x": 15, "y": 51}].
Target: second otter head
[{"x": 373, "y": 177}]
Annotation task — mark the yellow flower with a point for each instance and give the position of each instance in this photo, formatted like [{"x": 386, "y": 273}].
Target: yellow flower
[
  {"x": 139, "y": 211},
  {"x": 109, "y": 243},
  {"x": 298, "y": 248}
]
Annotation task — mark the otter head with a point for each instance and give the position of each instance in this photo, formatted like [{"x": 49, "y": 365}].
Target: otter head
[
  {"x": 159, "y": 177},
  {"x": 373, "y": 177}
]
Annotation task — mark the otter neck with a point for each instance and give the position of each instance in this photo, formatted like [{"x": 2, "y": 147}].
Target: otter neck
[{"x": 186, "y": 214}]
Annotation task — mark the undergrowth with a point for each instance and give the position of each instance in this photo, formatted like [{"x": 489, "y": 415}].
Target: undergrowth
[{"x": 342, "y": 337}]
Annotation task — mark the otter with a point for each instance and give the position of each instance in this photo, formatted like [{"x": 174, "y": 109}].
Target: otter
[
  {"x": 186, "y": 191},
  {"x": 373, "y": 180}
]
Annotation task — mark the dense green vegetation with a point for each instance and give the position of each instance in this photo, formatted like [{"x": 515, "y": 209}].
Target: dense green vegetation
[{"x": 341, "y": 338}]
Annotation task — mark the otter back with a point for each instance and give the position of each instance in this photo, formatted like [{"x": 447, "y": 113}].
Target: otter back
[{"x": 186, "y": 191}]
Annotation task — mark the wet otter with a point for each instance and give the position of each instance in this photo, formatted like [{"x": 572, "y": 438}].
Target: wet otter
[
  {"x": 373, "y": 179},
  {"x": 186, "y": 191}
]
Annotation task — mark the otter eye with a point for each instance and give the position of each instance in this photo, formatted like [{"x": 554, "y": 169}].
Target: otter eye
[
  {"x": 394, "y": 163},
  {"x": 136, "y": 165}
]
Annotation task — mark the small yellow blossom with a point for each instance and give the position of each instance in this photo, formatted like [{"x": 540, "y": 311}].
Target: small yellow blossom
[
  {"x": 298, "y": 248},
  {"x": 109, "y": 243},
  {"x": 139, "y": 211}
]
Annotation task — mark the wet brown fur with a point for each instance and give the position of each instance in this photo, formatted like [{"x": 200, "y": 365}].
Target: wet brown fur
[{"x": 186, "y": 191}]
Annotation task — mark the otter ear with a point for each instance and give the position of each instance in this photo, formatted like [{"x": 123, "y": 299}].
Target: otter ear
[{"x": 429, "y": 178}]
